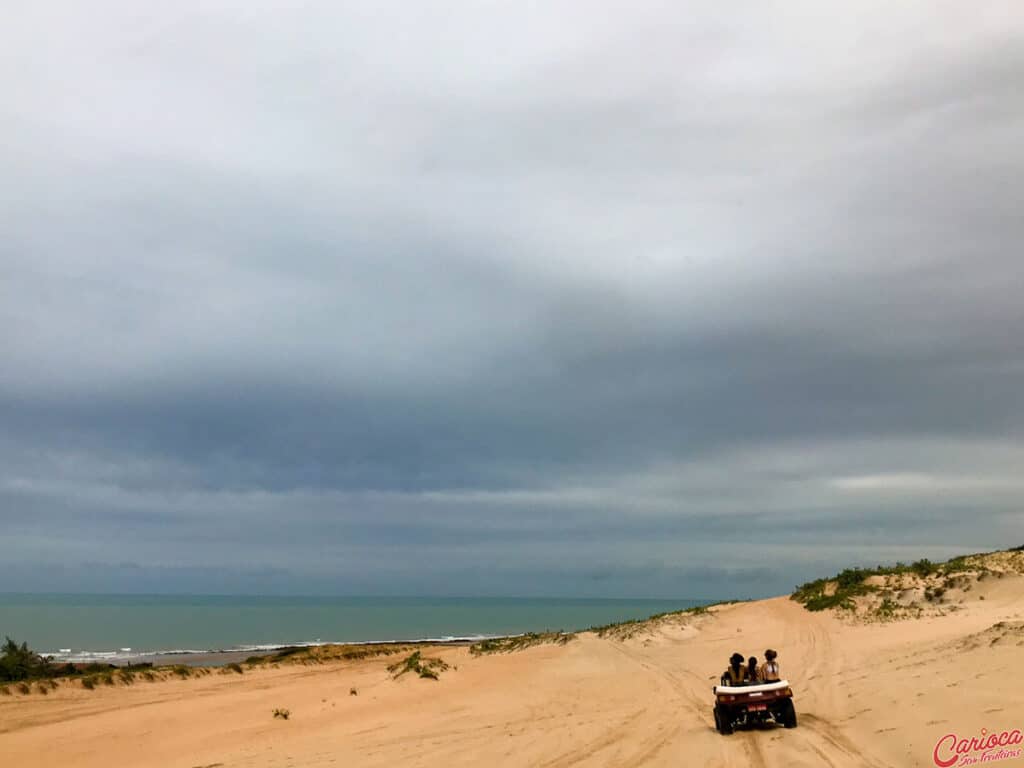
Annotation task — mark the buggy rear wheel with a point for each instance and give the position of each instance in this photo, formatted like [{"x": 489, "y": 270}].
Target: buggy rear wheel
[
  {"x": 722, "y": 722},
  {"x": 787, "y": 714}
]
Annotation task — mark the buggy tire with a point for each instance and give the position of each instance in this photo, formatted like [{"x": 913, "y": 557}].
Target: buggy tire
[
  {"x": 788, "y": 715},
  {"x": 722, "y": 723}
]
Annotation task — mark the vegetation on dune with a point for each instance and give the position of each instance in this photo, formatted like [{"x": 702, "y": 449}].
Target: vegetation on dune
[
  {"x": 20, "y": 665},
  {"x": 425, "y": 667},
  {"x": 283, "y": 714},
  {"x": 605, "y": 629},
  {"x": 320, "y": 654},
  {"x": 842, "y": 590},
  {"x": 18, "y": 662},
  {"x": 519, "y": 642},
  {"x": 623, "y": 630}
]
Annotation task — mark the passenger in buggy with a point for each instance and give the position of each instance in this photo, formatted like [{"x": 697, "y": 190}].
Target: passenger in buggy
[
  {"x": 736, "y": 673},
  {"x": 753, "y": 676},
  {"x": 769, "y": 672}
]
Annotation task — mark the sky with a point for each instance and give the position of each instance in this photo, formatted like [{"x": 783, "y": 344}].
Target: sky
[{"x": 661, "y": 299}]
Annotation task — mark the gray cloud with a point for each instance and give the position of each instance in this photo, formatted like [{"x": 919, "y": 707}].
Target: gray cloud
[{"x": 643, "y": 299}]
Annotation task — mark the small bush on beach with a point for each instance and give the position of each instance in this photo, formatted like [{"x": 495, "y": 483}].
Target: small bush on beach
[
  {"x": 88, "y": 683},
  {"x": 182, "y": 671},
  {"x": 353, "y": 692},
  {"x": 19, "y": 662},
  {"x": 24, "y": 688},
  {"x": 422, "y": 666},
  {"x": 284, "y": 714},
  {"x": 234, "y": 667}
]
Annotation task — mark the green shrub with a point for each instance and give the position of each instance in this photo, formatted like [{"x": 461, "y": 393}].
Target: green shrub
[
  {"x": 18, "y": 662},
  {"x": 923, "y": 567},
  {"x": 234, "y": 667},
  {"x": 416, "y": 662}
]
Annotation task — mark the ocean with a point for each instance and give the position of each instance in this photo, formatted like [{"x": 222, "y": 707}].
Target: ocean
[{"x": 121, "y": 627}]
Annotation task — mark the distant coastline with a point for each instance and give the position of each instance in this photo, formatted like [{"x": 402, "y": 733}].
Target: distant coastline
[{"x": 216, "y": 629}]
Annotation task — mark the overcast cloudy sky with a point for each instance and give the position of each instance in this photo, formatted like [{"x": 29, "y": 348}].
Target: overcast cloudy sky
[{"x": 692, "y": 299}]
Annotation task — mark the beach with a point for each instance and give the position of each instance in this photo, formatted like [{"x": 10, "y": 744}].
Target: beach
[{"x": 867, "y": 693}]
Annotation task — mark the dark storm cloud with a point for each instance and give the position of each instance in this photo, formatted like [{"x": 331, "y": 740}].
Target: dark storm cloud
[{"x": 507, "y": 297}]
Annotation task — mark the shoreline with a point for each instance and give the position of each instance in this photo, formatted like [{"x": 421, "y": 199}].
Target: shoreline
[
  {"x": 123, "y": 629},
  {"x": 222, "y": 658},
  {"x": 219, "y": 658}
]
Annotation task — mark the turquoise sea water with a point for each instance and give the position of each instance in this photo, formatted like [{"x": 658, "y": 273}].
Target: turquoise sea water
[{"x": 83, "y": 626}]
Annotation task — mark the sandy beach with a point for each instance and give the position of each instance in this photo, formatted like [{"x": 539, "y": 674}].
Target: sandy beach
[{"x": 868, "y": 693}]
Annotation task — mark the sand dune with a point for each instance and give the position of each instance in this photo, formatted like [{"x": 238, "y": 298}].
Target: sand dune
[{"x": 867, "y": 694}]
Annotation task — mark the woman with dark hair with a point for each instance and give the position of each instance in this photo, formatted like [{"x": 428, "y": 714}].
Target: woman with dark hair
[
  {"x": 770, "y": 669},
  {"x": 752, "y": 674},
  {"x": 735, "y": 673}
]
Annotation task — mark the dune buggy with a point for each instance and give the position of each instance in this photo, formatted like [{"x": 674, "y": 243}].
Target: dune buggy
[{"x": 745, "y": 705}]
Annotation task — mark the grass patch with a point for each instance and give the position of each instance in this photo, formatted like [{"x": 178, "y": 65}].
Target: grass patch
[
  {"x": 23, "y": 688},
  {"x": 519, "y": 642},
  {"x": 285, "y": 653},
  {"x": 234, "y": 667},
  {"x": 626, "y": 629},
  {"x": 428, "y": 668}
]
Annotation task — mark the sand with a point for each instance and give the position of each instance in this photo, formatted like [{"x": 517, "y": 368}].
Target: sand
[{"x": 867, "y": 694}]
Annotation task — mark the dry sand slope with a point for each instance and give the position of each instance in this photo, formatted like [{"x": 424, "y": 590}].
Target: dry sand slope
[{"x": 867, "y": 695}]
